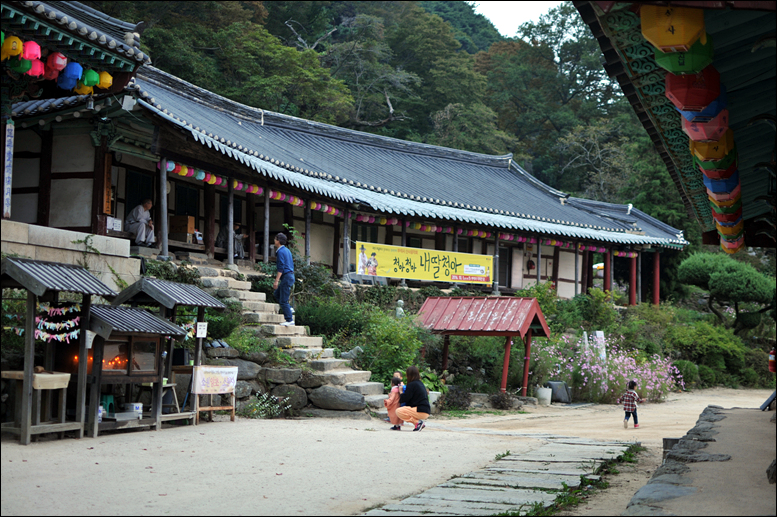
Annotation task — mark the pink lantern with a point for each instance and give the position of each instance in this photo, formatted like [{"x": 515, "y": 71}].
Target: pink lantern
[
  {"x": 371, "y": 220},
  {"x": 37, "y": 68},
  {"x": 533, "y": 241},
  {"x": 239, "y": 185},
  {"x": 407, "y": 224},
  {"x": 56, "y": 61},
  {"x": 207, "y": 177},
  {"x": 31, "y": 51},
  {"x": 423, "y": 227},
  {"x": 50, "y": 74},
  {"x": 459, "y": 231}
]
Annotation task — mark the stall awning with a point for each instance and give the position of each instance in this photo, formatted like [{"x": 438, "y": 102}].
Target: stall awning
[
  {"x": 483, "y": 316},
  {"x": 153, "y": 291},
  {"x": 39, "y": 277},
  {"x": 105, "y": 319}
]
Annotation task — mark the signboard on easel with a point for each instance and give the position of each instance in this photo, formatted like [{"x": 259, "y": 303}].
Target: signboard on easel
[{"x": 214, "y": 379}]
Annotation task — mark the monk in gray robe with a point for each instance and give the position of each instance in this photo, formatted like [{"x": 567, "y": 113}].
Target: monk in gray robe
[
  {"x": 237, "y": 241},
  {"x": 139, "y": 222}
]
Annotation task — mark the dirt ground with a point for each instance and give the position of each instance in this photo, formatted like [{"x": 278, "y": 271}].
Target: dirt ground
[{"x": 318, "y": 466}]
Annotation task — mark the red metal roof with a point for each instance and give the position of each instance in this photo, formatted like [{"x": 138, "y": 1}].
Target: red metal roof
[{"x": 483, "y": 316}]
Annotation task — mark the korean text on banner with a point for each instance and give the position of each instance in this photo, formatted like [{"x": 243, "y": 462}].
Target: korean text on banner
[
  {"x": 420, "y": 264},
  {"x": 214, "y": 379}
]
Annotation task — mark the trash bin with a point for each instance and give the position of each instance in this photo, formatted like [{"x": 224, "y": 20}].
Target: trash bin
[{"x": 543, "y": 396}]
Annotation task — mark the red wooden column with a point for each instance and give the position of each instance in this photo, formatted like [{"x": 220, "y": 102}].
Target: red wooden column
[
  {"x": 526, "y": 360},
  {"x": 633, "y": 281},
  {"x": 506, "y": 364},
  {"x": 446, "y": 343},
  {"x": 607, "y": 267},
  {"x": 656, "y": 277}
]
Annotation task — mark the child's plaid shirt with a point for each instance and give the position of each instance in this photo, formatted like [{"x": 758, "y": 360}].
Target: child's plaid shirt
[{"x": 630, "y": 400}]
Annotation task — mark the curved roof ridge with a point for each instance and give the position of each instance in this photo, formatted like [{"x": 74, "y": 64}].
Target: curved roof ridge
[
  {"x": 537, "y": 183},
  {"x": 320, "y": 128},
  {"x": 97, "y": 14}
]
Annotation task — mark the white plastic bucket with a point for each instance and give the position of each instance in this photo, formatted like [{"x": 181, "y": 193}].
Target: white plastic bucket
[{"x": 543, "y": 396}]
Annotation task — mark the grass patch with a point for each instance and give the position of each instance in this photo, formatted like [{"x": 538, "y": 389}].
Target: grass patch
[
  {"x": 502, "y": 455},
  {"x": 465, "y": 413}
]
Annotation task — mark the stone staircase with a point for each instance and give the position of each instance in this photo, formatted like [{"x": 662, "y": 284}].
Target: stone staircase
[{"x": 265, "y": 318}]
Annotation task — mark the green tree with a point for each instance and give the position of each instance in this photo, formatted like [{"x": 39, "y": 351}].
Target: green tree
[
  {"x": 472, "y": 128},
  {"x": 474, "y": 31},
  {"x": 730, "y": 281}
]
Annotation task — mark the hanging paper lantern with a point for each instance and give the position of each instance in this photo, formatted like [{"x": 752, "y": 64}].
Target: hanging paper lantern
[
  {"x": 696, "y": 59},
  {"x": 423, "y": 228},
  {"x": 56, "y": 61},
  {"x": 459, "y": 231},
  {"x": 726, "y": 202},
  {"x": 671, "y": 29},
  {"x": 722, "y": 164},
  {"x": 725, "y": 196},
  {"x": 732, "y": 247},
  {"x": 19, "y": 65},
  {"x": 73, "y": 71},
  {"x": 37, "y": 68},
  {"x": 207, "y": 177},
  {"x": 90, "y": 78},
  {"x": 717, "y": 174},
  {"x": 213, "y": 179},
  {"x": 239, "y": 185},
  {"x": 50, "y": 74},
  {"x": 183, "y": 171},
  {"x": 710, "y": 112},
  {"x": 200, "y": 175},
  {"x": 106, "y": 81},
  {"x": 82, "y": 89},
  {"x": 730, "y": 209},
  {"x": 325, "y": 208},
  {"x": 693, "y": 92},
  {"x": 31, "y": 50},
  {"x": 383, "y": 220},
  {"x": 706, "y": 131},
  {"x": 170, "y": 166},
  {"x": 727, "y": 217},
  {"x": 12, "y": 46},
  {"x": 713, "y": 151}
]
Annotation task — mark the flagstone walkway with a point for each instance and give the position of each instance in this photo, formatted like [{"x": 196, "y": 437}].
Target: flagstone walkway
[{"x": 513, "y": 483}]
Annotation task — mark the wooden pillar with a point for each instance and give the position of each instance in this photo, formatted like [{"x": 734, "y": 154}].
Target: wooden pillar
[
  {"x": 92, "y": 425},
  {"x": 456, "y": 239},
  {"x": 556, "y": 256},
  {"x": 162, "y": 210},
  {"x": 44, "y": 183},
  {"x": 590, "y": 284},
  {"x": 336, "y": 248},
  {"x": 607, "y": 268},
  {"x": 577, "y": 268},
  {"x": 230, "y": 222},
  {"x": 585, "y": 273},
  {"x": 526, "y": 361},
  {"x": 539, "y": 261},
  {"x": 633, "y": 281},
  {"x": 251, "y": 216},
  {"x": 346, "y": 244},
  {"x": 404, "y": 233},
  {"x": 29, "y": 365},
  {"x": 506, "y": 363},
  {"x": 495, "y": 282},
  {"x": 656, "y": 278},
  {"x": 266, "y": 239},
  {"x": 83, "y": 358},
  {"x": 308, "y": 225},
  {"x": 446, "y": 344},
  {"x": 102, "y": 178},
  {"x": 389, "y": 240},
  {"x": 639, "y": 277},
  {"x": 210, "y": 220}
]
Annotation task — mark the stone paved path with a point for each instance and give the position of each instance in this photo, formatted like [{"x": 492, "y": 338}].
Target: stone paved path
[{"x": 513, "y": 483}]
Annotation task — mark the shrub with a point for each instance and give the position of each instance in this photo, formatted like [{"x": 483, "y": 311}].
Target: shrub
[
  {"x": 750, "y": 377},
  {"x": 432, "y": 381},
  {"x": 457, "y": 398},
  {"x": 707, "y": 376},
  {"x": 758, "y": 361},
  {"x": 331, "y": 316},
  {"x": 501, "y": 400},
  {"x": 165, "y": 270},
  {"x": 689, "y": 372},
  {"x": 597, "y": 310},
  {"x": 263, "y": 406},
  {"x": 388, "y": 344},
  {"x": 221, "y": 325},
  {"x": 245, "y": 340},
  {"x": 546, "y": 296}
]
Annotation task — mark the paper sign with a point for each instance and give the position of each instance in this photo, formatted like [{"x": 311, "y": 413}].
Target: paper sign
[
  {"x": 202, "y": 329},
  {"x": 90, "y": 338},
  {"x": 8, "y": 168},
  {"x": 214, "y": 379}
]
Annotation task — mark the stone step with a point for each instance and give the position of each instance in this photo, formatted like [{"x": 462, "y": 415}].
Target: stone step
[
  {"x": 241, "y": 295},
  {"x": 279, "y": 330},
  {"x": 375, "y": 401},
  {"x": 207, "y": 271},
  {"x": 249, "y": 306},
  {"x": 223, "y": 282},
  {"x": 298, "y": 341},
  {"x": 263, "y": 317},
  {"x": 342, "y": 377},
  {"x": 366, "y": 388},
  {"x": 325, "y": 365},
  {"x": 309, "y": 354}
]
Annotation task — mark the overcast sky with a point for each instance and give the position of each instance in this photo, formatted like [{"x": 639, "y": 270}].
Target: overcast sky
[{"x": 507, "y": 16}]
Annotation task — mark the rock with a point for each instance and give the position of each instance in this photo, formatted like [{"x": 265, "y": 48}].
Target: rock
[
  {"x": 246, "y": 370},
  {"x": 327, "y": 397},
  {"x": 516, "y": 404},
  {"x": 281, "y": 375},
  {"x": 527, "y": 400},
  {"x": 774, "y": 418},
  {"x": 243, "y": 389},
  {"x": 324, "y": 413},
  {"x": 642, "y": 510},
  {"x": 770, "y": 471},
  {"x": 353, "y": 354},
  {"x": 670, "y": 479},
  {"x": 479, "y": 401},
  {"x": 222, "y": 352},
  {"x": 254, "y": 357},
  {"x": 654, "y": 493},
  {"x": 310, "y": 381},
  {"x": 293, "y": 394},
  {"x": 232, "y": 267}
]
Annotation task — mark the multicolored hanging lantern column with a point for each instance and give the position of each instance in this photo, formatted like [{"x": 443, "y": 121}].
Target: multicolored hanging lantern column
[
  {"x": 321, "y": 207},
  {"x": 210, "y": 178},
  {"x": 626, "y": 254},
  {"x": 591, "y": 247},
  {"x": 288, "y": 198}
]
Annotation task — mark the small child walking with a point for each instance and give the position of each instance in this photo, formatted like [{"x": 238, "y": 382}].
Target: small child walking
[
  {"x": 630, "y": 400},
  {"x": 392, "y": 403}
]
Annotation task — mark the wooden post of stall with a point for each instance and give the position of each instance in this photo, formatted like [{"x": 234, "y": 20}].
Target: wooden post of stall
[
  {"x": 506, "y": 363},
  {"x": 162, "y": 212},
  {"x": 29, "y": 365},
  {"x": 230, "y": 223},
  {"x": 633, "y": 281},
  {"x": 539, "y": 260},
  {"x": 308, "y": 221},
  {"x": 92, "y": 425},
  {"x": 210, "y": 220},
  {"x": 495, "y": 283},
  {"x": 83, "y": 358},
  {"x": 586, "y": 270},
  {"x": 251, "y": 216},
  {"x": 197, "y": 362},
  {"x": 446, "y": 343},
  {"x": 656, "y": 278},
  {"x": 455, "y": 239},
  {"x": 577, "y": 267},
  {"x": 639, "y": 277},
  {"x": 346, "y": 246},
  {"x": 607, "y": 268},
  {"x": 526, "y": 360},
  {"x": 403, "y": 283},
  {"x": 266, "y": 239}
]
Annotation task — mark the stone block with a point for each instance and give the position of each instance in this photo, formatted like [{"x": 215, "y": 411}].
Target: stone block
[
  {"x": 13, "y": 231},
  {"x": 206, "y": 271},
  {"x": 327, "y": 397},
  {"x": 343, "y": 377},
  {"x": 16, "y": 249},
  {"x": 222, "y": 352},
  {"x": 375, "y": 401},
  {"x": 256, "y": 357},
  {"x": 246, "y": 370},
  {"x": 243, "y": 389},
  {"x": 326, "y": 413},
  {"x": 657, "y": 492},
  {"x": 217, "y": 283},
  {"x": 310, "y": 381},
  {"x": 281, "y": 375},
  {"x": 325, "y": 365},
  {"x": 366, "y": 388},
  {"x": 528, "y": 400},
  {"x": 299, "y": 342},
  {"x": 293, "y": 394},
  {"x": 263, "y": 317}
]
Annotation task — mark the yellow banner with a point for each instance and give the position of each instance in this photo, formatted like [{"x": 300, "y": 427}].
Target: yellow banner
[{"x": 421, "y": 264}]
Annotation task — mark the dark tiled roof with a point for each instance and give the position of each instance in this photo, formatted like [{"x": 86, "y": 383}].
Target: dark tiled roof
[
  {"x": 169, "y": 294},
  {"x": 39, "y": 277},
  {"x": 134, "y": 321}
]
